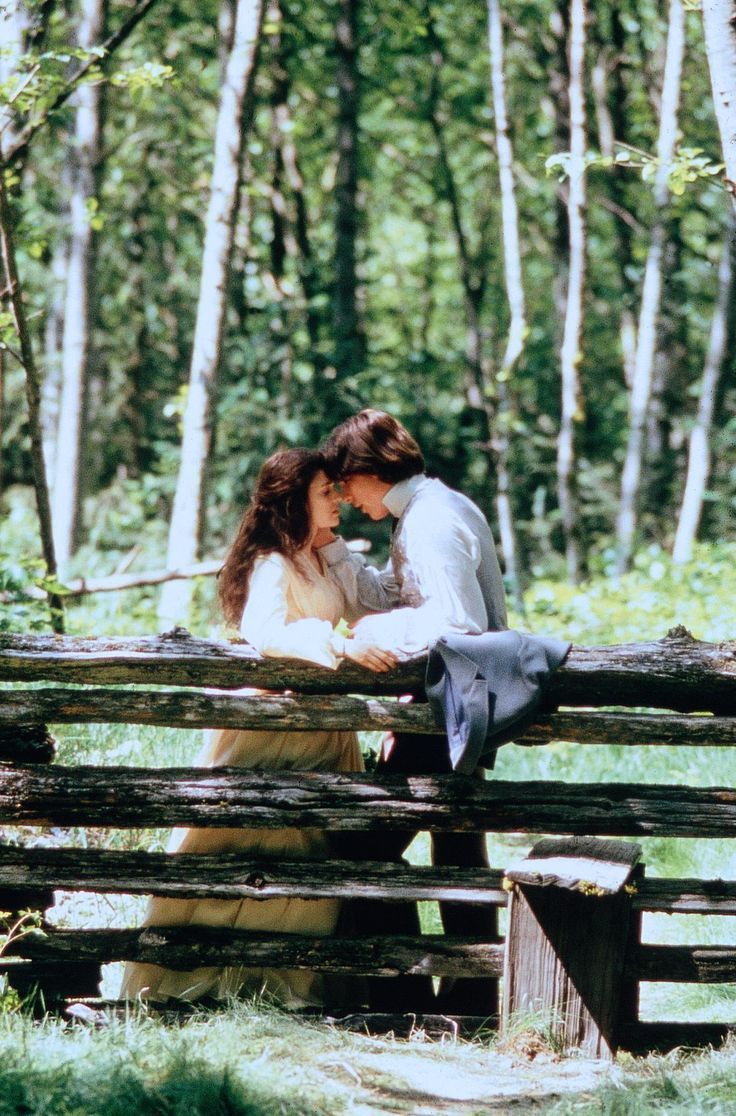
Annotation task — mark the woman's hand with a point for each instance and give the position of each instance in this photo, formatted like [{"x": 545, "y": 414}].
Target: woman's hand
[{"x": 370, "y": 656}]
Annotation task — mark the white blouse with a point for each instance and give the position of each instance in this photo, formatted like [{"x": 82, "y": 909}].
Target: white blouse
[{"x": 291, "y": 611}]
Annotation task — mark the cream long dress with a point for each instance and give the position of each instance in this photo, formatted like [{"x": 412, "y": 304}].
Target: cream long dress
[{"x": 290, "y": 611}]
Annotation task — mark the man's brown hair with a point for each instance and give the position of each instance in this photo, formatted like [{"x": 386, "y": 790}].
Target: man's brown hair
[{"x": 372, "y": 443}]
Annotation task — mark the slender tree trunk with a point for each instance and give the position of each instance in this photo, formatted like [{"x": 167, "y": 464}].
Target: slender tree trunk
[
  {"x": 53, "y": 340},
  {"x": 699, "y": 454},
  {"x": 719, "y": 23},
  {"x": 349, "y": 335},
  {"x": 612, "y": 114},
  {"x": 14, "y": 31},
  {"x": 233, "y": 122},
  {"x": 651, "y": 293},
  {"x": 295, "y": 180},
  {"x": 570, "y": 354},
  {"x": 67, "y": 491},
  {"x": 517, "y": 307},
  {"x": 33, "y": 396}
]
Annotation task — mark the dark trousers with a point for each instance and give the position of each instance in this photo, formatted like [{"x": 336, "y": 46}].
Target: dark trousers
[{"x": 411, "y": 754}]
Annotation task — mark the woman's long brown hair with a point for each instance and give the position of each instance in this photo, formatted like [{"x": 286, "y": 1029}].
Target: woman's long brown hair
[{"x": 276, "y": 519}]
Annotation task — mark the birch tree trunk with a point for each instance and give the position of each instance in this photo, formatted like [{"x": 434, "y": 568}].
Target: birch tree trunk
[
  {"x": 349, "y": 336},
  {"x": 67, "y": 491},
  {"x": 570, "y": 354},
  {"x": 699, "y": 455},
  {"x": 515, "y": 295},
  {"x": 233, "y": 121},
  {"x": 14, "y": 29},
  {"x": 719, "y": 23},
  {"x": 651, "y": 292}
]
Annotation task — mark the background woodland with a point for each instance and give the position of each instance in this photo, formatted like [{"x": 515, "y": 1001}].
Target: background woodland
[{"x": 506, "y": 224}]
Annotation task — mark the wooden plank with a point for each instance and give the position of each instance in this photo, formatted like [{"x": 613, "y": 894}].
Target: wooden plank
[
  {"x": 584, "y": 864},
  {"x": 566, "y": 950},
  {"x": 684, "y": 964},
  {"x": 194, "y": 709},
  {"x": 686, "y": 896},
  {"x": 184, "y": 947},
  {"x": 235, "y": 876},
  {"x": 124, "y": 797},
  {"x": 676, "y": 672}
]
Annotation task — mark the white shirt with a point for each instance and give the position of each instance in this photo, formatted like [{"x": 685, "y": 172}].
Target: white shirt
[{"x": 443, "y": 575}]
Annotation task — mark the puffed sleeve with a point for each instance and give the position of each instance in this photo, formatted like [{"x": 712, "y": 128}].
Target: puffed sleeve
[{"x": 265, "y": 625}]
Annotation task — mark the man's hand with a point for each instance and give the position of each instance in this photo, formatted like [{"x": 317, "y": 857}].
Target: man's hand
[{"x": 370, "y": 656}]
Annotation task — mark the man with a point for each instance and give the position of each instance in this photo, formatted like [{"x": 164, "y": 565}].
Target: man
[{"x": 443, "y": 576}]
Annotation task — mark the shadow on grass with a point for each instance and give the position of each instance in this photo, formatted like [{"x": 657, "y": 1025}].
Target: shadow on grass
[{"x": 183, "y": 1088}]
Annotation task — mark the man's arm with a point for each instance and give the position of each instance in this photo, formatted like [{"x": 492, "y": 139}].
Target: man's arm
[
  {"x": 366, "y": 588},
  {"x": 440, "y": 573}
]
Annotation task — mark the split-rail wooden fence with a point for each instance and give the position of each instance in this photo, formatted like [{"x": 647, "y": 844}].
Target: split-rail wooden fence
[{"x": 687, "y": 687}]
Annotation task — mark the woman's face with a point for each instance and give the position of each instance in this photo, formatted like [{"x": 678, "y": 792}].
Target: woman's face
[{"x": 323, "y": 503}]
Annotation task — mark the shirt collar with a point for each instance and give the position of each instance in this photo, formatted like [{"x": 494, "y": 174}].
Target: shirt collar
[{"x": 397, "y": 498}]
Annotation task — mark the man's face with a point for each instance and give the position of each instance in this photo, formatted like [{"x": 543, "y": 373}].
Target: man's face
[{"x": 366, "y": 491}]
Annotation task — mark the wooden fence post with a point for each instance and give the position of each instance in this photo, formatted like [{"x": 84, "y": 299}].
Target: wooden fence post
[
  {"x": 568, "y": 930},
  {"x": 44, "y": 984}
]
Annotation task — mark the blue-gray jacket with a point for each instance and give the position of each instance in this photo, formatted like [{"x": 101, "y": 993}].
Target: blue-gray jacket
[{"x": 485, "y": 689}]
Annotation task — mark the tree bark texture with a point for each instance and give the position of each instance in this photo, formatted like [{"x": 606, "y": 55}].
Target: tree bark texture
[
  {"x": 127, "y": 797},
  {"x": 651, "y": 295},
  {"x": 33, "y": 397},
  {"x": 86, "y": 148},
  {"x": 294, "y": 712},
  {"x": 514, "y": 282},
  {"x": 720, "y": 49},
  {"x": 677, "y": 672},
  {"x": 349, "y": 337},
  {"x": 232, "y": 876},
  {"x": 233, "y": 123},
  {"x": 184, "y": 947},
  {"x": 570, "y": 353},
  {"x": 699, "y": 451}
]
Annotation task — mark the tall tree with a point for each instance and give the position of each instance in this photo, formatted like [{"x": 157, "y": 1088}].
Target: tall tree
[
  {"x": 514, "y": 282},
  {"x": 85, "y": 177},
  {"x": 348, "y": 326},
  {"x": 570, "y": 353},
  {"x": 651, "y": 296},
  {"x": 719, "y": 23},
  {"x": 699, "y": 452},
  {"x": 233, "y": 122},
  {"x": 26, "y": 358}
]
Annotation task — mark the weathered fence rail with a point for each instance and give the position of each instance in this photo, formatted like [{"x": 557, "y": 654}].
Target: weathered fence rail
[{"x": 687, "y": 690}]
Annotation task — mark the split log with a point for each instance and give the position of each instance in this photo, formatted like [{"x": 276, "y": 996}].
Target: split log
[
  {"x": 686, "y": 896},
  {"x": 677, "y": 672},
  {"x": 124, "y": 797},
  {"x": 193, "y": 709},
  {"x": 684, "y": 964},
  {"x": 184, "y": 947},
  {"x": 235, "y": 876}
]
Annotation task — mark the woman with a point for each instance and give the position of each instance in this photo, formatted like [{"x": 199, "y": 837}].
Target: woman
[{"x": 274, "y": 585}]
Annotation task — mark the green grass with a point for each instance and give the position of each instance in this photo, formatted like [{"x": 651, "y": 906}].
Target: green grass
[{"x": 251, "y": 1059}]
